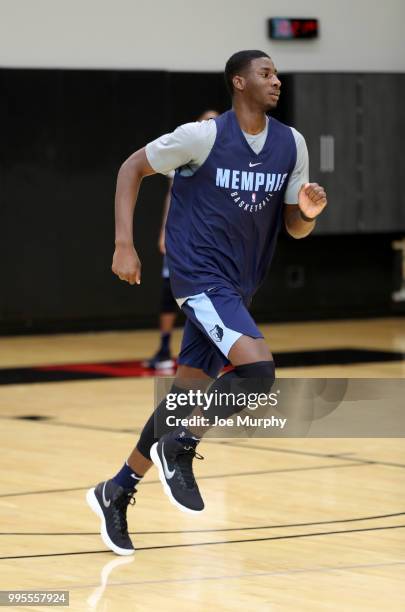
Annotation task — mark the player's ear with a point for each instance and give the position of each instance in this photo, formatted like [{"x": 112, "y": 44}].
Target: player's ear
[{"x": 238, "y": 83}]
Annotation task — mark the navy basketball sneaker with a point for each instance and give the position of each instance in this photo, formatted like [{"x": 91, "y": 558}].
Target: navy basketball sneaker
[
  {"x": 110, "y": 502},
  {"x": 173, "y": 456}
]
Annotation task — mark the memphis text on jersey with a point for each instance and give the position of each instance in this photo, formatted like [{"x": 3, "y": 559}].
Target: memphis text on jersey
[{"x": 251, "y": 182}]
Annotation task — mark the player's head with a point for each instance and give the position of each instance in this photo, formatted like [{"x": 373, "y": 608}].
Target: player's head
[
  {"x": 208, "y": 114},
  {"x": 253, "y": 76}
]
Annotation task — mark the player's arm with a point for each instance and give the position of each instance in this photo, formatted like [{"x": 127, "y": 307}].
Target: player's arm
[
  {"x": 304, "y": 201},
  {"x": 300, "y": 218},
  {"x": 162, "y": 155},
  {"x": 126, "y": 264}
]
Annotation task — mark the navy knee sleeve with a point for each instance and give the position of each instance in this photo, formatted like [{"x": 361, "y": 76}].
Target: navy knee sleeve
[
  {"x": 257, "y": 377},
  {"x": 242, "y": 380}
]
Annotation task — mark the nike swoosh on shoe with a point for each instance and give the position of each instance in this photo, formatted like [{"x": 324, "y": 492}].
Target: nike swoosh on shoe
[
  {"x": 168, "y": 473},
  {"x": 105, "y": 501}
]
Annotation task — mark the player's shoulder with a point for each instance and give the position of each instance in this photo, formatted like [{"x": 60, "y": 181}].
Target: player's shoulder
[
  {"x": 197, "y": 138},
  {"x": 197, "y": 130},
  {"x": 300, "y": 147},
  {"x": 298, "y": 137}
]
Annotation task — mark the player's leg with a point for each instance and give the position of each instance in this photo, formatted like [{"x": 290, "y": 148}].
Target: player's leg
[
  {"x": 223, "y": 321},
  {"x": 110, "y": 499},
  {"x": 223, "y": 315},
  {"x": 187, "y": 377},
  {"x": 253, "y": 372},
  {"x": 249, "y": 350},
  {"x": 197, "y": 349},
  {"x": 175, "y": 449}
]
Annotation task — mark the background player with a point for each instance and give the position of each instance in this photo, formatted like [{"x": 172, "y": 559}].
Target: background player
[
  {"x": 168, "y": 307},
  {"x": 239, "y": 177}
]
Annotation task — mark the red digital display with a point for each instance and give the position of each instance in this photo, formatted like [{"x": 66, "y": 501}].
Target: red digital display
[{"x": 291, "y": 28}]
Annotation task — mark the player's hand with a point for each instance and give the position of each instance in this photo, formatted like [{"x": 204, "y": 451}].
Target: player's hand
[
  {"x": 126, "y": 264},
  {"x": 161, "y": 243},
  {"x": 312, "y": 200}
]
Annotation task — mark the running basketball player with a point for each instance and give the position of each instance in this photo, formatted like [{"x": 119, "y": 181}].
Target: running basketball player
[{"x": 238, "y": 178}]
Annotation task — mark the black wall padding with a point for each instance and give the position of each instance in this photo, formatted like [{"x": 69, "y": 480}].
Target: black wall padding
[{"x": 64, "y": 134}]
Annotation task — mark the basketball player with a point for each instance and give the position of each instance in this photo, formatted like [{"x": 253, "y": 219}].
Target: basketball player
[
  {"x": 168, "y": 308},
  {"x": 162, "y": 359},
  {"x": 238, "y": 178}
]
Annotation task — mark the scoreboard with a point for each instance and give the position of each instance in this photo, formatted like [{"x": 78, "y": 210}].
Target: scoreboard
[{"x": 291, "y": 28}]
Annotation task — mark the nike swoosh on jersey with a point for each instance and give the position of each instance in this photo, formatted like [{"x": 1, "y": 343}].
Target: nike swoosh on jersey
[
  {"x": 106, "y": 502},
  {"x": 256, "y": 164},
  {"x": 168, "y": 473}
]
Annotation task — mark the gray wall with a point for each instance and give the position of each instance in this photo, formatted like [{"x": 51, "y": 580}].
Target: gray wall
[{"x": 360, "y": 35}]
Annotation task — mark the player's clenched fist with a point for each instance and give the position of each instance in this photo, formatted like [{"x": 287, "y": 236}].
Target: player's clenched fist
[
  {"x": 312, "y": 200},
  {"x": 126, "y": 264}
]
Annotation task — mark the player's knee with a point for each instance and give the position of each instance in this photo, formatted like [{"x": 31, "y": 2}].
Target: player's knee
[
  {"x": 256, "y": 377},
  {"x": 243, "y": 380}
]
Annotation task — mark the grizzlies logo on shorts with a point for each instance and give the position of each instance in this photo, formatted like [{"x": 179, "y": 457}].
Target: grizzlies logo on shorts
[{"x": 217, "y": 333}]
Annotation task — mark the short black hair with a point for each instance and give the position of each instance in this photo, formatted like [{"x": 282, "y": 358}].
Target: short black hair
[{"x": 238, "y": 62}]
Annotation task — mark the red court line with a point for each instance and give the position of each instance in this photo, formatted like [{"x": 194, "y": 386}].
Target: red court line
[{"x": 120, "y": 369}]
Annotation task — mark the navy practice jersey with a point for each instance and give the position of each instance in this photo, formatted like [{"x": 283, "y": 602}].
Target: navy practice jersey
[{"x": 224, "y": 219}]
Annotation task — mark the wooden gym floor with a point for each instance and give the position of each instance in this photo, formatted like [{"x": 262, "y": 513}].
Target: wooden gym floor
[{"x": 290, "y": 524}]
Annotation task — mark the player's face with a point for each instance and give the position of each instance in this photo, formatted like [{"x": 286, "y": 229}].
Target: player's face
[{"x": 262, "y": 84}]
